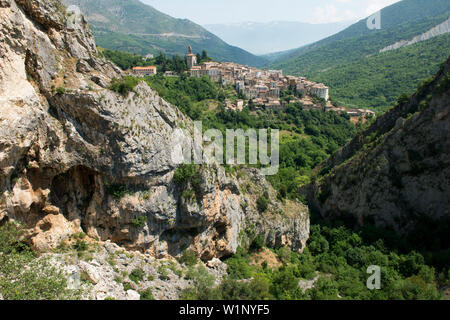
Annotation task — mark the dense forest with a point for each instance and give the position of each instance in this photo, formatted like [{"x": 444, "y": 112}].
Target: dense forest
[{"x": 341, "y": 258}]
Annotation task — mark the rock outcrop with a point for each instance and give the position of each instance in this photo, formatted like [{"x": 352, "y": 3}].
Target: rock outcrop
[
  {"x": 107, "y": 271},
  {"x": 442, "y": 28},
  {"x": 76, "y": 156},
  {"x": 397, "y": 172}
]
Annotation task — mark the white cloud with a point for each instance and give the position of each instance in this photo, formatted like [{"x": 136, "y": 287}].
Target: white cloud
[
  {"x": 330, "y": 13},
  {"x": 376, "y": 5}
]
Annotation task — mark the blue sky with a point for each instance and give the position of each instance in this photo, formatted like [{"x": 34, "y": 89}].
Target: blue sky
[{"x": 234, "y": 11}]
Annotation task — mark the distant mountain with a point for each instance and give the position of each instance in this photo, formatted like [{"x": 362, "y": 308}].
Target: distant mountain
[
  {"x": 377, "y": 81},
  {"x": 263, "y": 38},
  {"x": 132, "y": 26},
  {"x": 400, "y": 20},
  {"x": 350, "y": 62}
]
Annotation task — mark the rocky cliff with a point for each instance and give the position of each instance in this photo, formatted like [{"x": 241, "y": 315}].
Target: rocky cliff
[
  {"x": 397, "y": 171},
  {"x": 76, "y": 156},
  {"x": 433, "y": 32}
]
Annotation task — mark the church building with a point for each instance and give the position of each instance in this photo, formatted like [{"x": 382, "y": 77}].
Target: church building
[{"x": 191, "y": 59}]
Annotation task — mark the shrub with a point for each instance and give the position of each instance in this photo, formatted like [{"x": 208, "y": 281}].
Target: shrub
[
  {"x": 60, "y": 90},
  {"x": 147, "y": 294},
  {"x": 260, "y": 288},
  {"x": 139, "y": 222},
  {"x": 124, "y": 85},
  {"x": 257, "y": 289},
  {"x": 325, "y": 289},
  {"x": 117, "y": 191},
  {"x": 23, "y": 275},
  {"x": 127, "y": 286},
  {"x": 137, "y": 275},
  {"x": 80, "y": 246},
  {"x": 239, "y": 268},
  {"x": 264, "y": 265},
  {"x": 284, "y": 253},
  {"x": 403, "y": 98},
  {"x": 411, "y": 264},
  {"x": 79, "y": 235},
  {"x": 187, "y": 173},
  {"x": 318, "y": 245},
  {"x": 188, "y": 194},
  {"x": 163, "y": 274},
  {"x": 415, "y": 288},
  {"x": 189, "y": 258},
  {"x": 257, "y": 243},
  {"x": 202, "y": 285},
  {"x": 263, "y": 202},
  {"x": 232, "y": 289},
  {"x": 284, "y": 284}
]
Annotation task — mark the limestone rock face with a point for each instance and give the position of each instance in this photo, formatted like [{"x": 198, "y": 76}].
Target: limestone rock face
[
  {"x": 103, "y": 273},
  {"x": 75, "y": 156},
  {"x": 398, "y": 171}
]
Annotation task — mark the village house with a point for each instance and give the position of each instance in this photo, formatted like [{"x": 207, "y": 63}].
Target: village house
[
  {"x": 144, "y": 71},
  {"x": 263, "y": 87},
  {"x": 320, "y": 90},
  {"x": 170, "y": 74}
]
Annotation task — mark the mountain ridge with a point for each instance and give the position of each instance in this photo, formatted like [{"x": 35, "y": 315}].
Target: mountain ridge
[
  {"x": 345, "y": 61},
  {"x": 135, "y": 27},
  {"x": 434, "y": 32},
  {"x": 393, "y": 18}
]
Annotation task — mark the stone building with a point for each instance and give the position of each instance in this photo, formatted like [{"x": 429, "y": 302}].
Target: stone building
[
  {"x": 320, "y": 90},
  {"x": 144, "y": 71},
  {"x": 191, "y": 59}
]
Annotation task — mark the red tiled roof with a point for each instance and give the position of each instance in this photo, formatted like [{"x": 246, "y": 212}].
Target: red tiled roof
[{"x": 144, "y": 68}]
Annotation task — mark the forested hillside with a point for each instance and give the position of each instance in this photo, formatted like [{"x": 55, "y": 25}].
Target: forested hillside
[
  {"x": 377, "y": 81},
  {"x": 132, "y": 26},
  {"x": 406, "y": 12},
  {"x": 358, "y": 75}
]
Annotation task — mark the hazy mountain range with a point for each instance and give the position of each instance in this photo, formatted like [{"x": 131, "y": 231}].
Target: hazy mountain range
[{"x": 262, "y": 38}]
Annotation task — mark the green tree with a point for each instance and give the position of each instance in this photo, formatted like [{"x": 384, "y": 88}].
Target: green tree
[{"x": 26, "y": 276}]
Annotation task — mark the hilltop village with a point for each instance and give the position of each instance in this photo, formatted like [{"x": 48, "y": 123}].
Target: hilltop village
[{"x": 269, "y": 88}]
